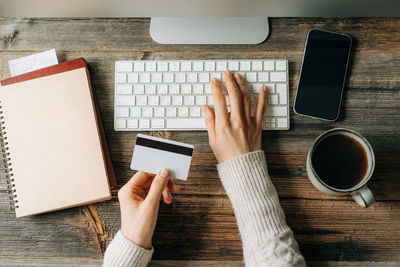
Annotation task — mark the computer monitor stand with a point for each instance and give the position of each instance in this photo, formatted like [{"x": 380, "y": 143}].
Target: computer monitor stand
[{"x": 205, "y": 30}]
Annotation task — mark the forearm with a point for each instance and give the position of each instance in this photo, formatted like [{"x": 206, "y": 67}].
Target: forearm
[
  {"x": 267, "y": 239},
  {"x": 123, "y": 252}
]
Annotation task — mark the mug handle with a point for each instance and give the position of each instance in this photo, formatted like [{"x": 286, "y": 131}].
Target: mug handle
[{"x": 364, "y": 197}]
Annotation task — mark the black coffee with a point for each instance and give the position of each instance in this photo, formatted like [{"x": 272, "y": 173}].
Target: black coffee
[{"x": 340, "y": 161}]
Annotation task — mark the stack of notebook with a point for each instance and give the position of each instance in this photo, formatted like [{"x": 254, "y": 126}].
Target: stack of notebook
[{"x": 53, "y": 139}]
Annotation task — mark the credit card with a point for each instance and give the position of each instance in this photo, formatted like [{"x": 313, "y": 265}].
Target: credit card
[{"x": 152, "y": 154}]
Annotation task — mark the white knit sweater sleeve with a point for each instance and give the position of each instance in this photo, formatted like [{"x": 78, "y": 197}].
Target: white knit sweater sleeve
[
  {"x": 123, "y": 252},
  {"x": 267, "y": 239}
]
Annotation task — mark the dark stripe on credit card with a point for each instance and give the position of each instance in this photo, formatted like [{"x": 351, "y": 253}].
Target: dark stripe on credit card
[{"x": 164, "y": 146}]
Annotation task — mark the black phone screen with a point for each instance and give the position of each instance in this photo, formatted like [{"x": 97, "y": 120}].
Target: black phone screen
[{"x": 322, "y": 75}]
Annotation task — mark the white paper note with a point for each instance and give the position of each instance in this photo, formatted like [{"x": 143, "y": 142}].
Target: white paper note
[{"x": 33, "y": 62}]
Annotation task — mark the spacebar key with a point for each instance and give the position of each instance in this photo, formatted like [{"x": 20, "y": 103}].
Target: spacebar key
[{"x": 185, "y": 124}]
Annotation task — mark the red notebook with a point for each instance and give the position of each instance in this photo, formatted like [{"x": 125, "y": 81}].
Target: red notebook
[{"x": 63, "y": 67}]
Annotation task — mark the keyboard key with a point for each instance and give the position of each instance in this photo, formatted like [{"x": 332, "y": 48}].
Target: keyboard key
[
  {"x": 132, "y": 123},
  {"x": 159, "y": 112},
  {"x": 177, "y": 100},
  {"x": 122, "y": 112},
  {"x": 153, "y": 100},
  {"x": 282, "y": 122},
  {"x": 162, "y": 66},
  {"x": 268, "y": 65},
  {"x": 192, "y": 77},
  {"x": 168, "y": 77},
  {"x": 278, "y": 76},
  {"x": 201, "y": 100},
  {"x": 150, "y": 89},
  {"x": 273, "y": 99},
  {"x": 162, "y": 89},
  {"x": 141, "y": 100},
  {"x": 210, "y": 101},
  {"x": 186, "y": 66},
  {"x": 245, "y": 65},
  {"x": 185, "y": 123},
  {"x": 147, "y": 112},
  {"x": 215, "y": 75},
  {"x": 257, "y": 66},
  {"x": 251, "y": 77},
  {"x": 270, "y": 88},
  {"x": 180, "y": 77},
  {"x": 209, "y": 66},
  {"x": 138, "y": 89},
  {"x": 183, "y": 112},
  {"x": 204, "y": 77},
  {"x": 221, "y": 65},
  {"x": 156, "y": 77},
  {"x": 144, "y": 77},
  {"x": 173, "y": 89},
  {"x": 165, "y": 100},
  {"x": 171, "y": 112},
  {"x": 174, "y": 66},
  {"x": 276, "y": 111},
  {"x": 280, "y": 65},
  {"x": 255, "y": 88},
  {"x": 144, "y": 123},
  {"x": 133, "y": 77},
  {"x": 120, "y": 124},
  {"x": 198, "y": 89},
  {"x": 151, "y": 66},
  {"x": 138, "y": 66},
  {"x": 189, "y": 100},
  {"x": 233, "y": 65},
  {"x": 282, "y": 91},
  {"x": 207, "y": 88},
  {"x": 157, "y": 123},
  {"x": 186, "y": 89},
  {"x": 195, "y": 111},
  {"x": 120, "y": 77},
  {"x": 125, "y": 100},
  {"x": 123, "y": 66},
  {"x": 124, "y": 89},
  {"x": 263, "y": 76},
  {"x": 136, "y": 112},
  {"x": 269, "y": 123},
  {"x": 197, "y": 66}
]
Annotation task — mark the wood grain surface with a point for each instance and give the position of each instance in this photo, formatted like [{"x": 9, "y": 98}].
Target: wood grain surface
[{"x": 200, "y": 224}]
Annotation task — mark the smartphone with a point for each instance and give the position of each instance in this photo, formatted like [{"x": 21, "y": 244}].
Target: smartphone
[{"x": 322, "y": 75}]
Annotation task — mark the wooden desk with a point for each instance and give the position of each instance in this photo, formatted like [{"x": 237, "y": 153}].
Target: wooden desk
[{"x": 200, "y": 224}]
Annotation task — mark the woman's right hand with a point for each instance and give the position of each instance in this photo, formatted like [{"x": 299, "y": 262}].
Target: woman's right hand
[{"x": 238, "y": 131}]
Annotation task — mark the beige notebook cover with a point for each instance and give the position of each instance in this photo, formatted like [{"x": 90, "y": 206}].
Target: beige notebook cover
[{"x": 53, "y": 143}]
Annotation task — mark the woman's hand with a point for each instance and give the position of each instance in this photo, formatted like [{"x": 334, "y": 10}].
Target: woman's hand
[
  {"x": 238, "y": 131},
  {"x": 139, "y": 199}
]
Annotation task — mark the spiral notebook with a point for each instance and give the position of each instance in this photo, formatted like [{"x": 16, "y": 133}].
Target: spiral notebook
[{"x": 53, "y": 140}]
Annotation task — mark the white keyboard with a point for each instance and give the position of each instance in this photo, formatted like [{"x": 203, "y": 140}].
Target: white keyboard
[{"x": 168, "y": 94}]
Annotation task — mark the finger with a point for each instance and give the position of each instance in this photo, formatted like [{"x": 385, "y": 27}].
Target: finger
[
  {"x": 173, "y": 187},
  {"x": 166, "y": 194},
  {"x": 157, "y": 187},
  {"x": 234, "y": 96},
  {"x": 246, "y": 99},
  {"x": 209, "y": 121},
  {"x": 221, "y": 110},
  {"x": 138, "y": 179},
  {"x": 260, "y": 107}
]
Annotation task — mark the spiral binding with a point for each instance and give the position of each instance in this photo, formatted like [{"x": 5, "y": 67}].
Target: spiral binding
[{"x": 12, "y": 192}]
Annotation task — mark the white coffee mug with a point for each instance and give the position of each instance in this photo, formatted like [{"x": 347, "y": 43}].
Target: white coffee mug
[{"x": 360, "y": 192}]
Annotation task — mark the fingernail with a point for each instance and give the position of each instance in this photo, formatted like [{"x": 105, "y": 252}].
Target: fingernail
[
  {"x": 264, "y": 88},
  {"x": 164, "y": 173},
  {"x": 237, "y": 75},
  {"x": 228, "y": 72},
  {"x": 203, "y": 108},
  {"x": 215, "y": 80}
]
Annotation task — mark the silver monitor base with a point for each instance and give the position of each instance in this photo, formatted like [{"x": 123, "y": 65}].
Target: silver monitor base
[{"x": 223, "y": 30}]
